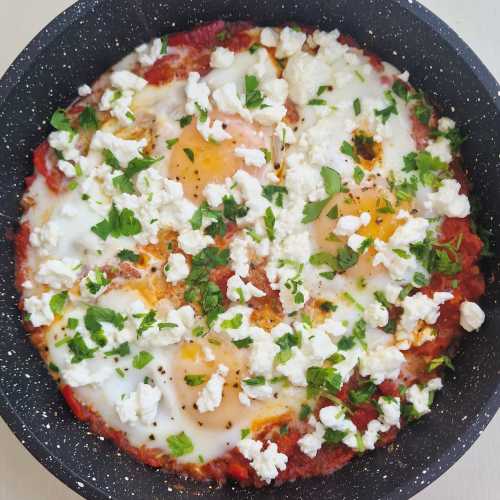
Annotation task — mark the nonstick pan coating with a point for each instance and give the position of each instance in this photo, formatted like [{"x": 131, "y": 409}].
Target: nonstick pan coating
[{"x": 82, "y": 43}]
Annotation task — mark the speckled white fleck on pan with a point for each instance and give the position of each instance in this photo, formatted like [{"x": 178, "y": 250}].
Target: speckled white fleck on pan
[{"x": 81, "y": 44}]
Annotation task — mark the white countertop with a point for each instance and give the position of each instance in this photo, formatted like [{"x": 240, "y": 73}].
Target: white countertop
[{"x": 474, "y": 476}]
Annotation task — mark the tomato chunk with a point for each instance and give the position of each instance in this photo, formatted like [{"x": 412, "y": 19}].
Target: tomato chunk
[{"x": 53, "y": 177}]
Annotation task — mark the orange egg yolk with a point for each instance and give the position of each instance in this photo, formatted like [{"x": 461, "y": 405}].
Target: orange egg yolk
[{"x": 196, "y": 162}]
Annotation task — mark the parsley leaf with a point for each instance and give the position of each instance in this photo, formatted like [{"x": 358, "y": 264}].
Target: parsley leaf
[
  {"x": 88, "y": 119},
  {"x": 391, "y": 109},
  {"x": 313, "y": 210},
  {"x": 180, "y": 444},
  {"x": 331, "y": 180},
  {"x": 194, "y": 380},
  {"x": 185, "y": 120},
  {"x": 142, "y": 359},
  {"x": 189, "y": 153},
  {"x": 269, "y": 221},
  {"x": 58, "y": 301},
  {"x": 358, "y": 175},
  {"x": 253, "y": 96},
  {"x": 118, "y": 224},
  {"x": 246, "y": 342},
  {"x": 128, "y": 255},
  {"x": 122, "y": 350},
  {"x": 60, "y": 121},
  {"x": 79, "y": 348},
  {"x": 274, "y": 193}
]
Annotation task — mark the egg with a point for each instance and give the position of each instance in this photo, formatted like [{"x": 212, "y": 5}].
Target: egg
[{"x": 196, "y": 162}]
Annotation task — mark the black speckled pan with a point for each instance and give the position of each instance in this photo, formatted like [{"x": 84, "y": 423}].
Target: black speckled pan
[{"x": 81, "y": 44}]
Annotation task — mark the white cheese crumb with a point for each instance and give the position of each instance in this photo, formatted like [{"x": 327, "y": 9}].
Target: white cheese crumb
[
  {"x": 193, "y": 241},
  {"x": 239, "y": 291},
  {"x": 376, "y": 315},
  {"x": 197, "y": 93},
  {"x": 311, "y": 443},
  {"x": 149, "y": 54},
  {"x": 39, "y": 309},
  {"x": 212, "y": 132},
  {"x": 221, "y": 58},
  {"x": 349, "y": 224},
  {"x": 266, "y": 464},
  {"x": 252, "y": 157},
  {"x": 81, "y": 374},
  {"x": 420, "y": 397},
  {"x": 471, "y": 316},
  {"x": 59, "y": 274},
  {"x": 211, "y": 396},
  {"x": 291, "y": 41},
  {"x": 84, "y": 90},
  {"x": 381, "y": 363},
  {"x": 269, "y": 37},
  {"x": 391, "y": 410},
  {"x": 448, "y": 200},
  {"x": 177, "y": 268}
]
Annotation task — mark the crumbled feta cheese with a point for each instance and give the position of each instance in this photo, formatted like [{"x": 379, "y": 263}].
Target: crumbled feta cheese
[
  {"x": 291, "y": 41},
  {"x": 401, "y": 268},
  {"x": 446, "y": 124},
  {"x": 80, "y": 374},
  {"x": 349, "y": 224},
  {"x": 311, "y": 443},
  {"x": 376, "y": 315},
  {"x": 197, "y": 93},
  {"x": 67, "y": 168},
  {"x": 448, "y": 200},
  {"x": 371, "y": 435},
  {"x": 441, "y": 149},
  {"x": 269, "y": 37},
  {"x": 412, "y": 231},
  {"x": 355, "y": 241},
  {"x": 126, "y": 80},
  {"x": 124, "y": 150},
  {"x": 305, "y": 73},
  {"x": 177, "y": 268},
  {"x": 147, "y": 399},
  {"x": 211, "y": 396},
  {"x": 149, "y": 54},
  {"x": 334, "y": 417},
  {"x": 239, "y": 291},
  {"x": 392, "y": 292},
  {"x": 235, "y": 332},
  {"x": 381, "y": 363},
  {"x": 84, "y": 90},
  {"x": 419, "y": 307},
  {"x": 39, "y": 309},
  {"x": 252, "y": 157},
  {"x": 214, "y": 194},
  {"x": 391, "y": 410},
  {"x": 238, "y": 253},
  {"x": 193, "y": 241},
  {"x": 227, "y": 100},
  {"x": 45, "y": 238},
  {"x": 208, "y": 353},
  {"x": 212, "y": 132},
  {"x": 66, "y": 143},
  {"x": 295, "y": 368},
  {"x": 126, "y": 408},
  {"x": 262, "y": 353},
  {"x": 59, "y": 274},
  {"x": 221, "y": 58},
  {"x": 419, "y": 397},
  {"x": 471, "y": 316},
  {"x": 266, "y": 464}
]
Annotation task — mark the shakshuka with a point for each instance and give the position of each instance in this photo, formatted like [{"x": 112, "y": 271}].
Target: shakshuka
[{"x": 247, "y": 253}]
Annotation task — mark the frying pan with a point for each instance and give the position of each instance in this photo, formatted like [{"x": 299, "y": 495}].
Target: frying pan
[{"x": 82, "y": 43}]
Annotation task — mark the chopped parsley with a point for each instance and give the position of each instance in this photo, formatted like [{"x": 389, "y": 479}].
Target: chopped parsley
[
  {"x": 172, "y": 142},
  {"x": 141, "y": 360},
  {"x": 357, "y": 106},
  {"x": 274, "y": 194},
  {"x": 180, "y": 444},
  {"x": 79, "y": 348},
  {"x": 58, "y": 301},
  {"x": 243, "y": 343},
  {"x": 61, "y": 122},
  {"x": 88, "y": 119},
  {"x": 118, "y": 224},
  {"x": 313, "y": 209},
  {"x": 194, "y": 380},
  {"x": 128, "y": 255},
  {"x": 189, "y": 153},
  {"x": 358, "y": 175},
  {"x": 185, "y": 120},
  {"x": 253, "y": 96},
  {"x": 331, "y": 180},
  {"x": 385, "y": 113},
  {"x": 269, "y": 222},
  {"x": 348, "y": 150},
  {"x": 440, "y": 361},
  {"x": 317, "y": 102},
  {"x": 122, "y": 350}
]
